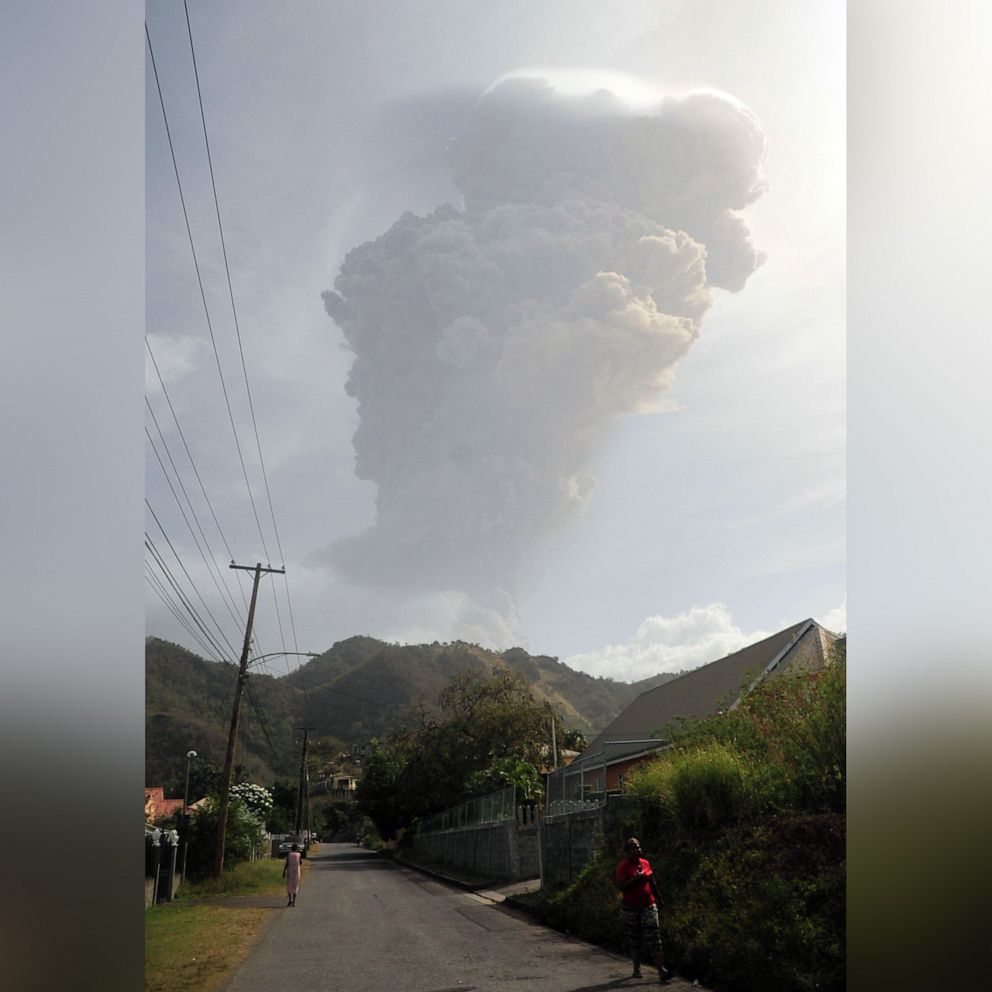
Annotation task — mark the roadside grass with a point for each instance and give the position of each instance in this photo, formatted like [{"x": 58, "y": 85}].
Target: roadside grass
[
  {"x": 194, "y": 944},
  {"x": 248, "y": 878}
]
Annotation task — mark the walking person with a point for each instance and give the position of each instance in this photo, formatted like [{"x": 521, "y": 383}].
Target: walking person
[
  {"x": 291, "y": 872},
  {"x": 640, "y": 899}
]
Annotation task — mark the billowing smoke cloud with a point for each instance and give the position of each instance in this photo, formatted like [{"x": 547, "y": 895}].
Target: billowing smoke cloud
[{"x": 496, "y": 345}]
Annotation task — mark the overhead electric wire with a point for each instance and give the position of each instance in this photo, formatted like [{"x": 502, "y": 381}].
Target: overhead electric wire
[
  {"x": 187, "y": 605},
  {"x": 190, "y": 609},
  {"x": 376, "y": 704},
  {"x": 156, "y": 583},
  {"x": 215, "y": 347},
  {"x": 275, "y": 600},
  {"x": 237, "y": 327},
  {"x": 234, "y": 653},
  {"x": 192, "y": 462},
  {"x": 253, "y": 702},
  {"x": 193, "y": 584},
  {"x": 203, "y": 296},
  {"x": 208, "y": 561},
  {"x": 213, "y": 650}
]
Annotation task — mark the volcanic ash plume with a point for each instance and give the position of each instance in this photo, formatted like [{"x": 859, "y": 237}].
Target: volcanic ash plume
[{"x": 496, "y": 345}]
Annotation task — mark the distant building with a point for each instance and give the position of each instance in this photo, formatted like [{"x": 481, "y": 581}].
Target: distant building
[
  {"x": 360, "y": 751},
  {"x": 157, "y": 806},
  {"x": 337, "y": 785},
  {"x": 343, "y": 783}
]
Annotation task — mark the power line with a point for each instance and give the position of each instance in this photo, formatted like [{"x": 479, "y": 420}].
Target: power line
[
  {"x": 190, "y": 578},
  {"x": 253, "y": 702},
  {"x": 215, "y": 347},
  {"x": 156, "y": 583},
  {"x": 237, "y": 327},
  {"x": 192, "y": 462},
  {"x": 188, "y": 606},
  {"x": 229, "y": 601},
  {"x": 203, "y": 296}
]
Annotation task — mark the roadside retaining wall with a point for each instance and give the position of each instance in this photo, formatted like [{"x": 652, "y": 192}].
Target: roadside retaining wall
[
  {"x": 569, "y": 840},
  {"x": 504, "y": 851},
  {"x": 554, "y": 848}
]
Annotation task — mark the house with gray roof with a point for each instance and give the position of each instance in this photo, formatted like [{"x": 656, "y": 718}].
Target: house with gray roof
[{"x": 641, "y": 729}]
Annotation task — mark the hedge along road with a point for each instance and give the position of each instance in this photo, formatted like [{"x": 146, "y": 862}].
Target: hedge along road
[{"x": 363, "y": 923}]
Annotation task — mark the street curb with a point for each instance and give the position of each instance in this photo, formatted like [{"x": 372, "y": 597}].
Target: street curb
[{"x": 449, "y": 879}]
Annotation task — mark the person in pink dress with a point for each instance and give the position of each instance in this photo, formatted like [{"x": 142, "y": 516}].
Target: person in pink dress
[{"x": 291, "y": 872}]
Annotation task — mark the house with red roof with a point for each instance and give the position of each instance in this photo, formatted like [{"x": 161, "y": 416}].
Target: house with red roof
[{"x": 157, "y": 806}]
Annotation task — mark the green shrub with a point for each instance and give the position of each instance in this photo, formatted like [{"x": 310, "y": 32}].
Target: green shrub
[
  {"x": 589, "y": 907},
  {"x": 764, "y": 908},
  {"x": 368, "y": 835},
  {"x": 697, "y": 790},
  {"x": 244, "y": 833},
  {"x": 791, "y": 732}
]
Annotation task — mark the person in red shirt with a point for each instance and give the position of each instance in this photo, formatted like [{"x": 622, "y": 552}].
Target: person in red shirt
[{"x": 640, "y": 899}]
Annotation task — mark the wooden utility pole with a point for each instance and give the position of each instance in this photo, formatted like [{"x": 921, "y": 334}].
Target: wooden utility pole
[
  {"x": 232, "y": 737},
  {"x": 302, "y": 795},
  {"x": 554, "y": 743}
]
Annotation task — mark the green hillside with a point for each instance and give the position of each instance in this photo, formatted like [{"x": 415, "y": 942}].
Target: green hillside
[{"x": 358, "y": 689}]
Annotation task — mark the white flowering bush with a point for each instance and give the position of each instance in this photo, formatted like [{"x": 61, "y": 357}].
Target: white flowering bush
[{"x": 256, "y": 798}]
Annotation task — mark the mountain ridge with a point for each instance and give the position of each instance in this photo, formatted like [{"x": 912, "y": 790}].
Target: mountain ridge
[{"x": 357, "y": 689}]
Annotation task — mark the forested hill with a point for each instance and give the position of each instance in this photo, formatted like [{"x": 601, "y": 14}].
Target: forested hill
[{"x": 358, "y": 689}]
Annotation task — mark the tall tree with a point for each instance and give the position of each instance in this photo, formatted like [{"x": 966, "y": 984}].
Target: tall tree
[{"x": 490, "y": 729}]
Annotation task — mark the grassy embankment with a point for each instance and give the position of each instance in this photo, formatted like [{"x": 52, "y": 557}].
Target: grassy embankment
[
  {"x": 743, "y": 820},
  {"x": 195, "y": 943}
]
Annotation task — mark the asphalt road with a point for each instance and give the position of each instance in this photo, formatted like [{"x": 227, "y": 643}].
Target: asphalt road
[{"x": 365, "y": 924}]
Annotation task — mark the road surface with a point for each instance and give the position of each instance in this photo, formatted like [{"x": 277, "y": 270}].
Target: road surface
[{"x": 365, "y": 924}]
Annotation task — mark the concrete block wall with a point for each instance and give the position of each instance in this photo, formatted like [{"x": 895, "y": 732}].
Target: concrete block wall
[
  {"x": 505, "y": 851},
  {"x": 529, "y": 850},
  {"x": 569, "y": 840},
  {"x": 516, "y": 850}
]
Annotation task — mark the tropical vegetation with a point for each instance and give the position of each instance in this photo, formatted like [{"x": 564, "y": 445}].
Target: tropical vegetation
[
  {"x": 743, "y": 819},
  {"x": 490, "y": 732}
]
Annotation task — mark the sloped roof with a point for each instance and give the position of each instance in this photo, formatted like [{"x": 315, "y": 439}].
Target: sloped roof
[
  {"x": 701, "y": 692},
  {"x": 157, "y": 806}
]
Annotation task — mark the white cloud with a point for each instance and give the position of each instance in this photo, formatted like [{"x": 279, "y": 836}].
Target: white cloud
[
  {"x": 669, "y": 644},
  {"x": 836, "y": 619}
]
